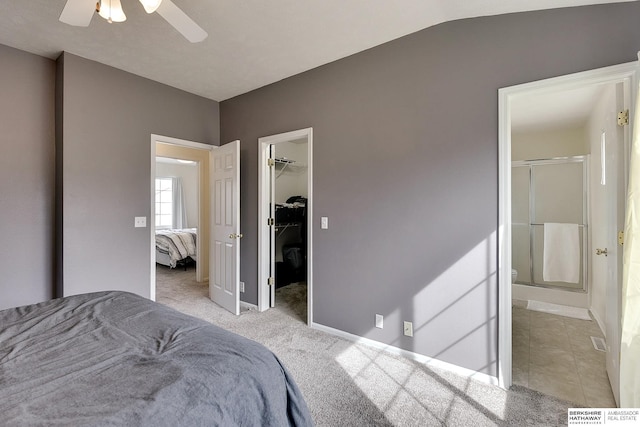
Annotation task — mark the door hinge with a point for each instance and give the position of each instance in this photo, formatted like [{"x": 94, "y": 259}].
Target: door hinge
[
  {"x": 623, "y": 118},
  {"x": 621, "y": 238},
  {"x": 271, "y": 222},
  {"x": 271, "y": 281},
  {"x": 271, "y": 162}
]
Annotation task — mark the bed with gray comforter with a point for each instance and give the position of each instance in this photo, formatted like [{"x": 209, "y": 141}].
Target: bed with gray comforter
[{"x": 114, "y": 358}]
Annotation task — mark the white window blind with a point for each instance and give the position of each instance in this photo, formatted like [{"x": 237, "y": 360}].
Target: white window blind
[{"x": 164, "y": 202}]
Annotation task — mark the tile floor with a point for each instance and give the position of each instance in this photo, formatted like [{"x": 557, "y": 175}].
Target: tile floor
[{"x": 554, "y": 355}]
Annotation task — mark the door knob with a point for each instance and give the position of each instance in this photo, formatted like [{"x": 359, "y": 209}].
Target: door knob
[
  {"x": 235, "y": 236},
  {"x": 601, "y": 251}
]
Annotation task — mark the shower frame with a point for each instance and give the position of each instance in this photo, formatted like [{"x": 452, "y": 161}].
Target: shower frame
[{"x": 584, "y": 160}]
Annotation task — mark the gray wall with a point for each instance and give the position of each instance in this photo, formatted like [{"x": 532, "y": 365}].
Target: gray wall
[
  {"x": 405, "y": 167},
  {"x": 27, "y": 85},
  {"x": 107, "y": 119}
]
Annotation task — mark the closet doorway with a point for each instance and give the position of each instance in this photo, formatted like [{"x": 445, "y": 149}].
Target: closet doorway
[{"x": 285, "y": 218}]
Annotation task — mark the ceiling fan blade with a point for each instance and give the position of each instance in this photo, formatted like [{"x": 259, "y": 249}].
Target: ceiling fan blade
[
  {"x": 181, "y": 22},
  {"x": 78, "y": 12}
]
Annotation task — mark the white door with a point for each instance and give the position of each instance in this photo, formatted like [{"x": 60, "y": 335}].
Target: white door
[
  {"x": 272, "y": 228},
  {"x": 224, "y": 280},
  {"x": 615, "y": 205}
]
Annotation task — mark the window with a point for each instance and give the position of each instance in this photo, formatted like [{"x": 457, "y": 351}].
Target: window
[{"x": 164, "y": 202}]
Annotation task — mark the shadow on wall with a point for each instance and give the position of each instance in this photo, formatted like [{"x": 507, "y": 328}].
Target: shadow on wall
[
  {"x": 454, "y": 313},
  {"x": 416, "y": 241},
  {"x": 450, "y": 303}
]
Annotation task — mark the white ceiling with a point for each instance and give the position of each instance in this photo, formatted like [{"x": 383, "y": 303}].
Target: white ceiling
[
  {"x": 251, "y": 43},
  {"x": 172, "y": 161},
  {"x": 554, "y": 110}
]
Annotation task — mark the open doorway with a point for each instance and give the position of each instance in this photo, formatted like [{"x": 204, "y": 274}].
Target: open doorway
[
  {"x": 176, "y": 200},
  {"x": 285, "y": 200},
  {"x": 180, "y": 235},
  {"x": 600, "y": 145}
]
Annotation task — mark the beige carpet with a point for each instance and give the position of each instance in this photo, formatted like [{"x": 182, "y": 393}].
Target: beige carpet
[{"x": 346, "y": 384}]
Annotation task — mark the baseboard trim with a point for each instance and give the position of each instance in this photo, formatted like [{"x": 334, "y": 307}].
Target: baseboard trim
[
  {"x": 425, "y": 360},
  {"x": 559, "y": 309},
  {"x": 248, "y": 306},
  {"x": 599, "y": 322}
]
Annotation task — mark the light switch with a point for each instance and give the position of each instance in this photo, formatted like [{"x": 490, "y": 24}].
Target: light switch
[
  {"x": 140, "y": 221},
  {"x": 324, "y": 222}
]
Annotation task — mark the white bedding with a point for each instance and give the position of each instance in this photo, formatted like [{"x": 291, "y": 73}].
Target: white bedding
[{"x": 173, "y": 245}]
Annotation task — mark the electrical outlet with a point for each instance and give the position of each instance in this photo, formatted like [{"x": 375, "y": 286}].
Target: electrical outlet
[
  {"x": 140, "y": 221},
  {"x": 408, "y": 329},
  {"x": 379, "y": 321},
  {"x": 241, "y": 286}
]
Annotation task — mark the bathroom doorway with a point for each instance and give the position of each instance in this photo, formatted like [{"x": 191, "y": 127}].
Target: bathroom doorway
[{"x": 621, "y": 78}]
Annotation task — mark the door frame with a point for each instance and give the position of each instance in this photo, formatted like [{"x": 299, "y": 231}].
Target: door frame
[
  {"x": 201, "y": 203},
  {"x": 623, "y": 73},
  {"x": 263, "y": 215}
]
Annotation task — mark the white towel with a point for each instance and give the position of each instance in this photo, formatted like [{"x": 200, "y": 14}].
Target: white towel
[{"x": 561, "y": 258}]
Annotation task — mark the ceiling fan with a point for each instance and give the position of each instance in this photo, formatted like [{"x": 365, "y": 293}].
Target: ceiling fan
[{"x": 80, "y": 12}]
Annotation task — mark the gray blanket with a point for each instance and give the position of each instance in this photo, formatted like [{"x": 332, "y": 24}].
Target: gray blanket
[{"x": 114, "y": 358}]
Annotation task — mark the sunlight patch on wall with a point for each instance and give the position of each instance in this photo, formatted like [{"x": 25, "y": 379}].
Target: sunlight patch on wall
[{"x": 462, "y": 301}]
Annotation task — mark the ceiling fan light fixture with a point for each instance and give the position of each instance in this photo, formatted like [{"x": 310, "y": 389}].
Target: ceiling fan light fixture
[
  {"x": 111, "y": 10},
  {"x": 150, "y": 5},
  {"x": 79, "y": 13}
]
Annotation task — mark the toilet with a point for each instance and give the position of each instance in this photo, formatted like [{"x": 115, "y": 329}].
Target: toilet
[{"x": 514, "y": 275}]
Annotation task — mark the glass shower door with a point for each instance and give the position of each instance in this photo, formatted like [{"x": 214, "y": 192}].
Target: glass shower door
[
  {"x": 520, "y": 230},
  {"x": 558, "y": 194}
]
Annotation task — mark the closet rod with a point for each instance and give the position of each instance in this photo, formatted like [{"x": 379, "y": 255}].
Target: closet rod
[
  {"x": 579, "y": 225},
  {"x": 284, "y": 160}
]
